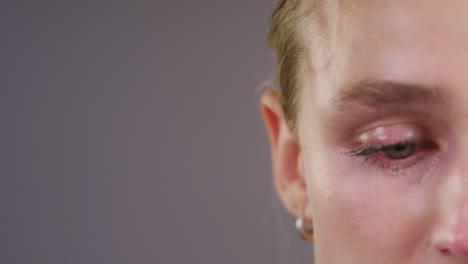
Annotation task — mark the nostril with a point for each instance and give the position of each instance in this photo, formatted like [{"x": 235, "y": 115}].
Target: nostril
[
  {"x": 451, "y": 243},
  {"x": 444, "y": 251},
  {"x": 443, "y": 248}
]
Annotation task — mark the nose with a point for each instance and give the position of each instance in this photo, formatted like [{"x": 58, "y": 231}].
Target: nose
[
  {"x": 451, "y": 236},
  {"x": 453, "y": 244}
]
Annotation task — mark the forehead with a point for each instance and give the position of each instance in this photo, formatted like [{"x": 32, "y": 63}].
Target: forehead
[{"x": 415, "y": 41}]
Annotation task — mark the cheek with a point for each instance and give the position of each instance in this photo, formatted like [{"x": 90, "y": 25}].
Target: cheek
[{"x": 368, "y": 216}]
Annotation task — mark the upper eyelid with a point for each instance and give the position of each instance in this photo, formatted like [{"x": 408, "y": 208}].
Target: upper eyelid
[
  {"x": 354, "y": 122},
  {"x": 369, "y": 149},
  {"x": 388, "y": 134}
]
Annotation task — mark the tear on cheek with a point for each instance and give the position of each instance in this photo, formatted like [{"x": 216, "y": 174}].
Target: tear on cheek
[{"x": 420, "y": 172}]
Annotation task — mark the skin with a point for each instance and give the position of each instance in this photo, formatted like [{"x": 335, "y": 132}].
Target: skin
[{"x": 375, "y": 208}]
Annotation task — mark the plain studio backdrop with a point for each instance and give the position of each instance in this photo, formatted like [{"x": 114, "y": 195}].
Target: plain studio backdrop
[{"x": 131, "y": 133}]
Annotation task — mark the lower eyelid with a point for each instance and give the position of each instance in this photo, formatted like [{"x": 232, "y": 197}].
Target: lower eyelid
[{"x": 397, "y": 165}]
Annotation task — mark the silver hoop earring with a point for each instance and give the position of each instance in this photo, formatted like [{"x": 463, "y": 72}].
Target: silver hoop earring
[{"x": 305, "y": 228}]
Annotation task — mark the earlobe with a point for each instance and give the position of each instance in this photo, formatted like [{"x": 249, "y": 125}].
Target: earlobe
[{"x": 285, "y": 154}]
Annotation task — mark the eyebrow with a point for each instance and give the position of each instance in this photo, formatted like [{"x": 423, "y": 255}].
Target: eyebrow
[{"x": 377, "y": 93}]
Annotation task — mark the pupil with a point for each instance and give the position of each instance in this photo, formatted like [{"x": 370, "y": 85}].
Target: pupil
[
  {"x": 400, "y": 151},
  {"x": 400, "y": 147}
]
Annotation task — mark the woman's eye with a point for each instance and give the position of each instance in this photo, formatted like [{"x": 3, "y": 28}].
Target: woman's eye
[
  {"x": 397, "y": 148},
  {"x": 399, "y": 151}
]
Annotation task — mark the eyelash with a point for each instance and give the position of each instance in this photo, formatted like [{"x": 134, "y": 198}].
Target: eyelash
[{"x": 369, "y": 154}]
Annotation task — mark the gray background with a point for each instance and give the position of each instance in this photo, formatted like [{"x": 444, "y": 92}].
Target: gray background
[{"x": 131, "y": 134}]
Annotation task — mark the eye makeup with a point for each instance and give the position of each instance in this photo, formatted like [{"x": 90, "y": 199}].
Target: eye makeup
[{"x": 393, "y": 147}]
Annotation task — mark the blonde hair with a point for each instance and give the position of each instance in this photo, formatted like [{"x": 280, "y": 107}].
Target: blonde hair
[{"x": 289, "y": 24}]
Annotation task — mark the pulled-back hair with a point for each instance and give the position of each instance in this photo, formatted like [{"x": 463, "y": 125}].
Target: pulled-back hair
[{"x": 291, "y": 20}]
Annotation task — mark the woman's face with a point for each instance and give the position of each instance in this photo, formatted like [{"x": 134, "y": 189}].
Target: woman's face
[{"x": 382, "y": 135}]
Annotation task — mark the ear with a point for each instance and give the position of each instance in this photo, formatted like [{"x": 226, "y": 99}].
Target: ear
[{"x": 285, "y": 154}]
